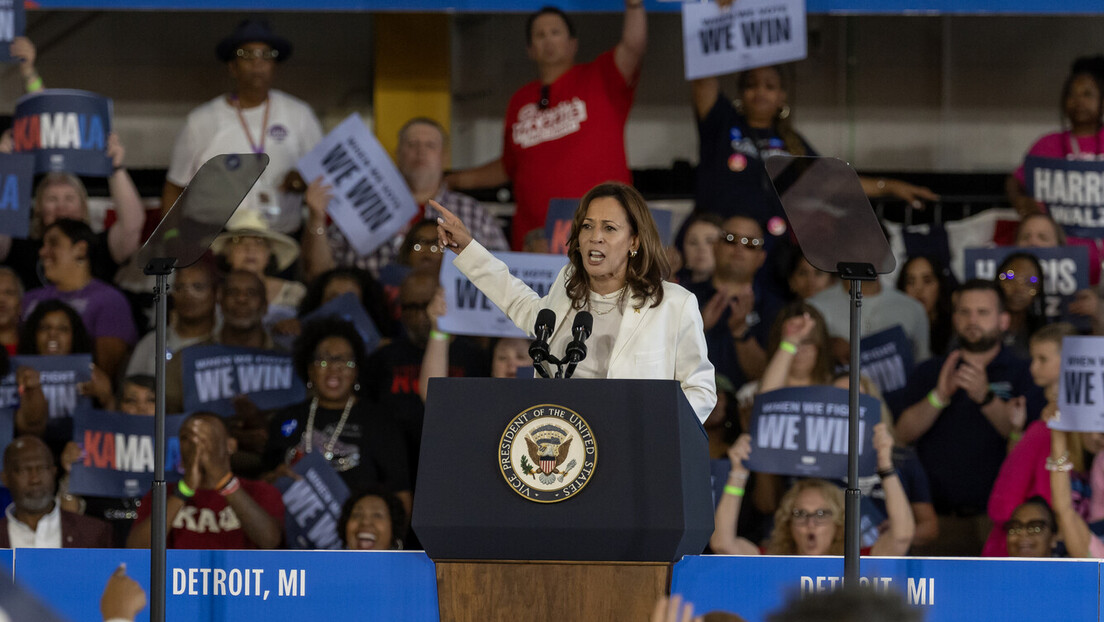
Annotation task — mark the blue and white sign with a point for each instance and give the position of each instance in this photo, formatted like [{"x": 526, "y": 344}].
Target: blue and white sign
[
  {"x": 117, "y": 453},
  {"x": 1071, "y": 190},
  {"x": 945, "y": 590},
  {"x": 1065, "y": 271},
  {"x": 371, "y": 202},
  {"x": 13, "y": 21},
  {"x": 242, "y": 585},
  {"x": 313, "y": 504},
  {"x": 59, "y": 377},
  {"x": 802, "y": 431},
  {"x": 887, "y": 359},
  {"x": 1081, "y": 386},
  {"x": 471, "y": 313},
  {"x": 16, "y": 180},
  {"x": 750, "y": 33},
  {"x": 65, "y": 130},
  {"x": 214, "y": 375}
]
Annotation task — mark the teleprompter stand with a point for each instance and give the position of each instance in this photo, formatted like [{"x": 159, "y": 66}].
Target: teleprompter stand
[
  {"x": 184, "y": 234},
  {"x": 605, "y": 551},
  {"x": 838, "y": 232}
]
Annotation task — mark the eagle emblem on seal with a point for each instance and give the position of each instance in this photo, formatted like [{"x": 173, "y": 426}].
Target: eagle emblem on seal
[{"x": 548, "y": 447}]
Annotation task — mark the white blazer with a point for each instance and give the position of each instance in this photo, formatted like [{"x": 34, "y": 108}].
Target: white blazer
[{"x": 666, "y": 342}]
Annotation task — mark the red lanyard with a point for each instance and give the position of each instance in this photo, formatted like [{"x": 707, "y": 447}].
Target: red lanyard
[{"x": 264, "y": 125}]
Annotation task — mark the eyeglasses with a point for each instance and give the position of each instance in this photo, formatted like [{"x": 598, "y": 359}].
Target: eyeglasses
[
  {"x": 544, "y": 100},
  {"x": 337, "y": 362},
  {"x": 1010, "y": 276},
  {"x": 427, "y": 245},
  {"x": 1030, "y": 528},
  {"x": 253, "y": 54},
  {"x": 752, "y": 244},
  {"x": 818, "y": 517}
]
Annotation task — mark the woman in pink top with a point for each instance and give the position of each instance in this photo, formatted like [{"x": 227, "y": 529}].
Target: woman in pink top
[
  {"x": 1024, "y": 473},
  {"x": 1083, "y": 139}
]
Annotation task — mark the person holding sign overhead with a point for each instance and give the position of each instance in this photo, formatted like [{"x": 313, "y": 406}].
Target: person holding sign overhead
[
  {"x": 566, "y": 131},
  {"x": 644, "y": 327},
  {"x": 809, "y": 520},
  {"x": 62, "y": 195}
]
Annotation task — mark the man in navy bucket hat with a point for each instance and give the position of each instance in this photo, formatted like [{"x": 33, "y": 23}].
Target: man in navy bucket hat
[{"x": 252, "y": 118}]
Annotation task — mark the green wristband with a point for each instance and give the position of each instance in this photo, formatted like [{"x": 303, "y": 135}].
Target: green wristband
[
  {"x": 438, "y": 335},
  {"x": 185, "y": 490},
  {"x": 786, "y": 346},
  {"x": 934, "y": 400},
  {"x": 735, "y": 491}
]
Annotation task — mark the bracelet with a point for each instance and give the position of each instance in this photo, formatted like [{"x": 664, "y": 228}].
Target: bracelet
[
  {"x": 185, "y": 490},
  {"x": 787, "y": 347},
  {"x": 318, "y": 231},
  {"x": 231, "y": 487},
  {"x": 884, "y": 473},
  {"x": 881, "y": 184},
  {"x": 34, "y": 85},
  {"x": 1015, "y": 435},
  {"x": 934, "y": 400},
  {"x": 1062, "y": 464},
  {"x": 735, "y": 491},
  {"x": 225, "y": 480},
  {"x": 438, "y": 335}
]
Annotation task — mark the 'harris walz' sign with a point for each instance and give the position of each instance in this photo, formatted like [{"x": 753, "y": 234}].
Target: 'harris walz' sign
[
  {"x": 65, "y": 129},
  {"x": 803, "y": 431},
  {"x": 1072, "y": 191},
  {"x": 214, "y": 375}
]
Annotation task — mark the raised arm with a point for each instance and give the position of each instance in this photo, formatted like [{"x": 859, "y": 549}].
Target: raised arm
[
  {"x": 489, "y": 175},
  {"x": 898, "y": 537},
  {"x": 125, "y": 236},
  {"x": 795, "y": 331},
  {"x": 629, "y": 53},
  {"x": 315, "y": 246},
  {"x": 1075, "y": 532},
  {"x": 725, "y": 540},
  {"x": 435, "y": 360}
]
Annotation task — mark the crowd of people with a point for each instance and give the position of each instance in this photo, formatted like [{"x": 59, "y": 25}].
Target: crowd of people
[{"x": 965, "y": 462}]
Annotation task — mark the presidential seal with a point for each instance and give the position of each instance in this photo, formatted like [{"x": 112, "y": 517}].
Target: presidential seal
[{"x": 547, "y": 453}]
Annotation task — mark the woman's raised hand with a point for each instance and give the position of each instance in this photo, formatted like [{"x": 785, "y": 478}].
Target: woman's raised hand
[
  {"x": 797, "y": 329},
  {"x": 451, "y": 232}
]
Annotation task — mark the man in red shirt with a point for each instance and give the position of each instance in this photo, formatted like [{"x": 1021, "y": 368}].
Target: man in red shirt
[
  {"x": 565, "y": 132},
  {"x": 211, "y": 508}
]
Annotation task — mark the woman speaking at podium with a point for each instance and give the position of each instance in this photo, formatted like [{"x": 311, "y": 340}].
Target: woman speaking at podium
[{"x": 643, "y": 326}]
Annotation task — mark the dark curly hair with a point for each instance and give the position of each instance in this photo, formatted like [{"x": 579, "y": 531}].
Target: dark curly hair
[
  {"x": 394, "y": 506},
  {"x": 28, "y": 344},
  {"x": 372, "y": 297},
  {"x": 76, "y": 231},
  {"x": 313, "y": 334},
  {"x": 646, "y": 271}
]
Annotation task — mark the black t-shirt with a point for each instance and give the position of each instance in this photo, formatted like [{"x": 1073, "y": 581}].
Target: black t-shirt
[
  {"x": 392, "y": 374},
  {"x": 369, "y": 450},
  {"x": 719, "y": 340},
  {"x": 23, "y": 258},
  {"x": 732, "y": 180}
]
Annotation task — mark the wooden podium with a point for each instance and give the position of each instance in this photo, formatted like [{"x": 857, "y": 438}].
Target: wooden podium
[{"x": 488, "y": 591}]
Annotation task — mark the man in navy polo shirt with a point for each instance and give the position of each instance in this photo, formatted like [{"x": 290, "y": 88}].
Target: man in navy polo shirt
[{"x": 961, "y": 414}]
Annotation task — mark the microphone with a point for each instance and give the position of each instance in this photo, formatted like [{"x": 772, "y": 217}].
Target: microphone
[
  {"x": 538, "y": 350},
  {"x": 577, "y": 350}
]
